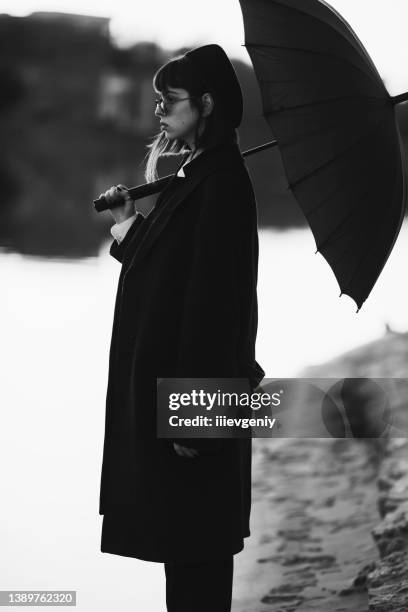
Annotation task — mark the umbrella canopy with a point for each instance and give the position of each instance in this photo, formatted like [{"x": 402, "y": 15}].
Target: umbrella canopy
[{"x": 336, "y": 128}]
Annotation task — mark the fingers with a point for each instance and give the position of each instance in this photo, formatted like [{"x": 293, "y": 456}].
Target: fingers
[
  {"x": 123, "y": 191},
  {"x": 109, "y": 195},
  {"x": 115, "y": 193},
  {"x": 184, "y": 451}
]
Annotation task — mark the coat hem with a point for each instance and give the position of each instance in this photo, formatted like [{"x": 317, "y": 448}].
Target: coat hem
[{"x": 166, "y": 559}]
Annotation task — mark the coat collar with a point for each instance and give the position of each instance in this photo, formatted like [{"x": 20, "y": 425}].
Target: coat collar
[
  {"x": 220, "y": 155},
  {"x": 212, "y": 160}
]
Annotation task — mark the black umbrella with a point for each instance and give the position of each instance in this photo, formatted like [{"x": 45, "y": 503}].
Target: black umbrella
[{"x": 336, "y": 128}]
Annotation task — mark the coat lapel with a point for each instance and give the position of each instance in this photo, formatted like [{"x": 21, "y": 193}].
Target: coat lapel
[{"x": 210, "y": 160}]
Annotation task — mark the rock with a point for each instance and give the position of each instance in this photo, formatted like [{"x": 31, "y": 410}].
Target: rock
[
  {"x": 392, "y": 533},
  {"x": 387, "y": 585},
  {"x": 361, "y": 578},
  {"x": 390, "y": 502}
]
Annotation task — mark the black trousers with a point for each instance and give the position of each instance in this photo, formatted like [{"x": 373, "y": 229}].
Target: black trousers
[{"x": 199, "y": 586}]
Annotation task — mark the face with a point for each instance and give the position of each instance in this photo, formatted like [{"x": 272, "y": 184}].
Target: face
[{"x": 181, "y": 117}]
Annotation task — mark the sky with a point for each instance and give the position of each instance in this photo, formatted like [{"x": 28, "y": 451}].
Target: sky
[{"x": 380, "y": 25}]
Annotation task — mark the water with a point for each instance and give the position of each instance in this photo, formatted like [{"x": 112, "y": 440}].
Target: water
[{"x": 56, "y": 325}]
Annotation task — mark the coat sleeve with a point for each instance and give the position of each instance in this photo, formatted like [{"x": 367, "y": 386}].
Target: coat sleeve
[
  {"x": 117, "y": 249},
  {"x": 119, "y": 230},
  {"x": 210, "y": 327}
]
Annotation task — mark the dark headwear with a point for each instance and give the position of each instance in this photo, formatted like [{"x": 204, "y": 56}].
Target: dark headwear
[{"x": 220, "y": 78}]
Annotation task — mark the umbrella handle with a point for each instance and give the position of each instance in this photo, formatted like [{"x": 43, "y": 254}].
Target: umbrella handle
[
  {"x": 136, "y": 193},
  {"x": 141, "y": 191},
  {"x": 398, "y": 99}
]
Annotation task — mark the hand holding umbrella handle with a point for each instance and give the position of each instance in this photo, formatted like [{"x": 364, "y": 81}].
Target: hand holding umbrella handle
[{"x": 141, "y": 191}]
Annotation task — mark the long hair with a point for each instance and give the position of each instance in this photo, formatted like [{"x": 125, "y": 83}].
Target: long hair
[{"x": 179, "y": 73}]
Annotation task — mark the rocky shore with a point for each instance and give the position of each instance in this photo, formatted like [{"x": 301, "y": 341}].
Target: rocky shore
[
  {"x": 387, "y": 583},
  {"x": 387, "y": 579},
  {"x": 329, "y": 527}
]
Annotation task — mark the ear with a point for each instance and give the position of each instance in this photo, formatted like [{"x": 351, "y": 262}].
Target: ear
[{"x": 208, "y": 104}]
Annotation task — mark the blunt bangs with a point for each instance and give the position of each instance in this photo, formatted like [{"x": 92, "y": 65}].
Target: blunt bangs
[{"x": 178, "y": 73}]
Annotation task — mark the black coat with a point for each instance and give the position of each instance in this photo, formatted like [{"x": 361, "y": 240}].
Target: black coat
[{"x": 186, "y": 306}]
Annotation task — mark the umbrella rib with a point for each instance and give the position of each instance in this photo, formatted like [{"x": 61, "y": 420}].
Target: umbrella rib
[
  {"x": 333, "y": 159},
  {"x": 334, "y": 263},
  {"x": 360, "y": 44},
  {"x": 351, "y": 178},
  {"x": 317, "y": 207},
  {"x": 389, "y": 252},
  {"x": 308, "y": 135},
  {"x": 311, "y": 52},
  {"x": 278, "y": 80},
  {"x": 358, "y": 266},
  {"x": 343, "y": 221},
  {"x": 322, "y": 101}
]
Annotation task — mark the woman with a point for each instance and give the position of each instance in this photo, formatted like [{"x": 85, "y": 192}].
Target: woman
[{"x": 186, "y": 306}]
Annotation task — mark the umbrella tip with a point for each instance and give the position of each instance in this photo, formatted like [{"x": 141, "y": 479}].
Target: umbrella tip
[
  {"x": 341, "y": 293},
  {"x": 316, "y": 251}
]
